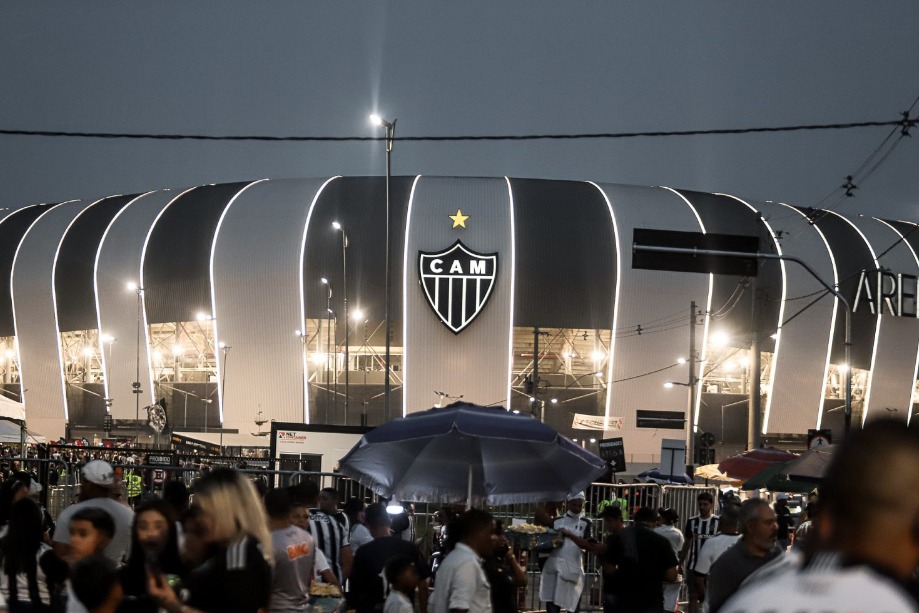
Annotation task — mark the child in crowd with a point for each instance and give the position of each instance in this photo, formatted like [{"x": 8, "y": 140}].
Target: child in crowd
[
  {"x": 402, "y": 577},
  {"x": 96, "y": 585},
  {"x": 91, "y": 531},
  {"x": 300, "y": 515}
]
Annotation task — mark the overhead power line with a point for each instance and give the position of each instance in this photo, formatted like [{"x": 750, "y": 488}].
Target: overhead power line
[{"x": 904, "y": 122}]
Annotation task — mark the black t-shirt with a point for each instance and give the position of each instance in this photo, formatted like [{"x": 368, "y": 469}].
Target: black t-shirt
[
  {"x": 237, "y": 578},
  {"x": 501, "y": 578},
  {"x": 642, "y": 557},
  {"x": 365, "y": 593},
  {"x": 783, "y": 517}
]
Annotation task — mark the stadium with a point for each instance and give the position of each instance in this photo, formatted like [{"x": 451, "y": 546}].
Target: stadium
[{"x": 209, "y": 303}]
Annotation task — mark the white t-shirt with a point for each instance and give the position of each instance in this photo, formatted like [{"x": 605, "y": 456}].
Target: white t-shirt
[
  {"x": 360, "y": 535},
  {"x": 712, "y": 550},
  {"x": 121, "y": 514},
  {"x": 836, "y": 589},
  {"x": 397, "y": 602},
  {"x": 673, "y": 535},
  {"x": 461, "y": 583}
]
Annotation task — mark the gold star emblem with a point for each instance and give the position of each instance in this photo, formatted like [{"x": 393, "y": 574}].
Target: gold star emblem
[{"x": 459, "y": 220}]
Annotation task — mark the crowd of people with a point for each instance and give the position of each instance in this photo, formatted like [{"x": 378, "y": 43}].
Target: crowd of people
[{"x": 229, "y": 543}]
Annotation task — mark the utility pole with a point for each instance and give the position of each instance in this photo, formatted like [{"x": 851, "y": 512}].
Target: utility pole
[
  {"x": 691, "y": 415},
  {"x": 755, "y": 417},
  {"x": 537, "y": 403}
]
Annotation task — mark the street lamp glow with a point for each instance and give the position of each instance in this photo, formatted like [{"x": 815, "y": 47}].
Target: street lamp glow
[
  {"x": 324, "y": 281},
  {"x": 178, "y": 350},
  {"x": 297, "y": 333},
  {"x": 336, "y": 225},
  {"x": 597, "y": 356},
  {"x": 554, "y": 401},
  {"x": 532, "y": 399},
  {"x": 842, "y": 367},
  {"x": 598, "y": 374},
  {"x": 158, "y": 356},
  {"x": 319, "y": 358},
  {"x": 681, "y": 360},
  {"x": 668, "y": 384},
  {"x": 10, "y": 354},
  {"x": 221, "y": 344},
  {"x": 376, "y": 119},
  {"x": 357, "y": 315},
  {"x": 202, "y": 316},
  {"x": 720, "y": 339},
  {"x": 108, "y": 338},
  {"x": 88, "y": 351},
  {"x": 593, "y": 440},
  {"x": 745, "y": 362},
  {"x": 132, "y": 287}
]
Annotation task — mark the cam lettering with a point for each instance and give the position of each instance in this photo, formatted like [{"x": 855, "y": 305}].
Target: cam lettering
[{"x": 476, "y": 267}]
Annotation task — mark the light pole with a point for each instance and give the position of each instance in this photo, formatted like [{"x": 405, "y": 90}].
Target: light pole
[
  {"x": 390, "y": 128},
  {"x": 344, "y": 279},
  {"x": 360, "y": 317},
  {"x": 328, "y": 343},
  {"x": 302, "y": 336},
  {"x": 135, "y": 386},
  {"x": 223, "y": 388}
]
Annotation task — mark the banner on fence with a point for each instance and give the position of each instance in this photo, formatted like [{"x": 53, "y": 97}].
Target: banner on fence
[{"x": 583, "y": 421}]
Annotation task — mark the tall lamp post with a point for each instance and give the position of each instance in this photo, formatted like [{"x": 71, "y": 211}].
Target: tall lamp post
[
  {"x": 344, "y": 278},
  {"x": 390, "y": 128},
  {"x": 302, "y": 336},
  {"x": 135, "y": 386},
  {"x": 360, "y": 318},
  {"x": 328, "y": 353}
]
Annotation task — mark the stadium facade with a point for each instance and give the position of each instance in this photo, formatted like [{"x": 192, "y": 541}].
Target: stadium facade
[{"x": 230, "y": 323}]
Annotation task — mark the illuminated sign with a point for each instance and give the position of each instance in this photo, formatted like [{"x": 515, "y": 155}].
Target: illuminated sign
[
  {"x": 881, "y": 289},
  {"x": 457, "y": 283}
]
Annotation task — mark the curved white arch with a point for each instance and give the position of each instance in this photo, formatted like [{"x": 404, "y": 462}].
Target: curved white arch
[
  {"x": 708, "y": 318},
  {"x": 778, "y": 328}
]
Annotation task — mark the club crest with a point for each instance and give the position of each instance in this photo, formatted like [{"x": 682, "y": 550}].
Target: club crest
[{"x": 457, "y": 283}]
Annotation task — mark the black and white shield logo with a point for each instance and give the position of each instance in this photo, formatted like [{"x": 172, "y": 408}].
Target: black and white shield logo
[{"x": 457, "y": 283}]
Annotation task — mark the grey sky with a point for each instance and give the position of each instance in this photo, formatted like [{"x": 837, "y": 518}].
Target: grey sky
[{"x": 490, "y": 67}]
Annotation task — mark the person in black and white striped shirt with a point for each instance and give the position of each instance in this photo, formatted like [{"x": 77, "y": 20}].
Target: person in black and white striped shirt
[
  {"x": 698, "y": 529},
  {"x": 331, "y": 531}
]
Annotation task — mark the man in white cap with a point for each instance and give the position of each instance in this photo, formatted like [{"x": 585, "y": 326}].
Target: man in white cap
[
  {"x": 563, "y": 575},
  {"x": 97, "y": 487}
]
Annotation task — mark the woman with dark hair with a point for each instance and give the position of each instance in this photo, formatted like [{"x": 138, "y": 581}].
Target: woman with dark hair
[
  {"x": 505, "y": 574},
  {"x": 154, "y": 547},
  {"x": 14, "y": 488},
  {"x": 360, "y": 535},
  {"x": 30, "y": 573}
]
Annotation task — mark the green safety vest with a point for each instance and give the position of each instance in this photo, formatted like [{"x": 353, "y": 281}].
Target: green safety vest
[
  {"x": 135, "y": 484},
  {"x": 622, "y": 503}
]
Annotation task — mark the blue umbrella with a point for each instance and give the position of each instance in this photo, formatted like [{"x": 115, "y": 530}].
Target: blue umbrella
[
  {"x": 656, "y": 476},
  {"x": 469, "y": 453}
]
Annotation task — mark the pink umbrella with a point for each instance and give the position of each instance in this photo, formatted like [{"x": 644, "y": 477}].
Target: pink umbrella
[{"x": 749, "y": 463}]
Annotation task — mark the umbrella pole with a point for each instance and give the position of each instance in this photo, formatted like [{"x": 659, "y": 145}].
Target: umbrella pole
[{"x": 469, "y": 490}]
